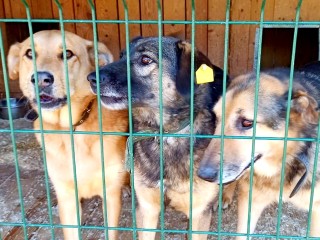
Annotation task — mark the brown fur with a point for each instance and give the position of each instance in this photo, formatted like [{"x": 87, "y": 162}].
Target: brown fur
[
  {"x": 270, "y": 123},
  {"x": 48, "y": 48}
]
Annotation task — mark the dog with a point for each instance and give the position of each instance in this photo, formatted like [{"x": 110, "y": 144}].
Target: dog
[
  {"x": 52, "y": 88},
  {"x": 268, "y": 154},
  {"x": 176, "y": 95}
]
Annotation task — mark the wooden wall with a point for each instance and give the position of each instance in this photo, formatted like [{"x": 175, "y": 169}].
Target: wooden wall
[{"x": 209, "y": 38}]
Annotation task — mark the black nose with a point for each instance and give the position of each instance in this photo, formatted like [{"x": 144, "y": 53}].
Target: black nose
[
  {"x": 45, "y": 79},
  {"x": 208, "y": 172},
  {"x": 92, "y": 78}
]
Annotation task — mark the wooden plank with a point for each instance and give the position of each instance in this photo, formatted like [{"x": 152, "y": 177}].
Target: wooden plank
[
  {"x": 109, "y": 33},
  {"x": 174, "y": 10},
  {"x": 239, "y": 37},
  {"x": 201, "y": 31},
  {"x": 149, "y": 12},
  {"x": 14, "y": 9},
  {"x": 134, "y": 14},
  {"x": 6, "y": 8},
  {"x": 285, "y": 10},
  {"x": 310, "y": 10},
  {"x": 68, "y": 13},
  {"x": 255, "y": 16},
  {"x": 82, "y": 11},
  {"x": 41, "y": 9},
  {"x": 216, "y": 12}
]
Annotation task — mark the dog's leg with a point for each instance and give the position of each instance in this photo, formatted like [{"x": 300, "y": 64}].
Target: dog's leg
[
  {"x": 147, "y": 211},
  {"x": 113, "y": 210},
  {"x": 259, "y": 203},
  {"x": 315, "y": 221},
  {"x": 68, "y": 211},
  {"x": 201, "y": 222},
  {"x": 227, "y": 196}
]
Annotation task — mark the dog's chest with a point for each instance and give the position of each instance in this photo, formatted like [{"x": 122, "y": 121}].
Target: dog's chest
[{"x": 175, "y": 157}]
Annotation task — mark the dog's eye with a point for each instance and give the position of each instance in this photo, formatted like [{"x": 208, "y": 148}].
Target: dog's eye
[
  {"x": 29, "y": 54},
  {"x": 69, "y": 54},
  {"x": 247, "y": 124},
  {"x": 145, "y": 60}
]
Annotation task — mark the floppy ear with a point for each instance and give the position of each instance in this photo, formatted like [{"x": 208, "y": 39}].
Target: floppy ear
[
  {"x": 104, "y": 54},
  {"x": 183, "y": 84},
  {"x": 306, "y": 106},
  {"x": 14, "y": 61}
]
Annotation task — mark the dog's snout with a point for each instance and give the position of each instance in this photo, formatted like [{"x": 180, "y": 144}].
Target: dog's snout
[
  {"x": 207, "y": 171},
  {"x": 92, "y": 78},
  {"x": 45, "y": 79}
]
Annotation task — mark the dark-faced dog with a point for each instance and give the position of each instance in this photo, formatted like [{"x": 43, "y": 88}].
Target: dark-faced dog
[
  {"x": 271, "y": 116},
  {"x": 176, "y": 65}
]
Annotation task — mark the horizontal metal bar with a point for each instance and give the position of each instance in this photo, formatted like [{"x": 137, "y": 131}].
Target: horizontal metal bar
[
  {"x": 199, "y": 22},
  {"x": 16, "y": 224},
  {"x": 157, "y": 135}
]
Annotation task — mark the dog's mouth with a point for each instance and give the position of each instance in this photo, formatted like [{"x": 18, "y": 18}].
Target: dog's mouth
[
  {"x": 227, "y": 181},
  {"x": 114, "y": 102},
  {"x": 49, "y": 102}
]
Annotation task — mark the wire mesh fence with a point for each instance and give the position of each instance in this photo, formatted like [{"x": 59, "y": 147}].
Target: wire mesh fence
[{"x": 218, "y": 231}]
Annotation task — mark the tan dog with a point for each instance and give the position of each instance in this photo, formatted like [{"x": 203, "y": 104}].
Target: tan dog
[
  {"x": 300, "y": 155},
  {"x": 53, "y": 101}
]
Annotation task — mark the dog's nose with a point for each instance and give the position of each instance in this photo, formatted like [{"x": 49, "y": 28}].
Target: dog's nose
[
  {"x": 207, "y": 171},
  {"x": 92, "y": 78},
  {"x": 45, "y": 79}
]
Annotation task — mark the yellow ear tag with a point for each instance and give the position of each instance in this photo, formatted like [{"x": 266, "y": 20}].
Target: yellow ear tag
[{"x": 204, "y": 74}]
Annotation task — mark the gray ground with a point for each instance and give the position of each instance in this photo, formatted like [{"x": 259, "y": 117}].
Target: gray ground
[{"x": 36, "y": 205}]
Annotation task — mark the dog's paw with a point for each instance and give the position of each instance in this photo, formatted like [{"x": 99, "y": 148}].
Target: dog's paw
[
  {"x": 126, "y": 191},
  {"x": 226, "y": 202}
]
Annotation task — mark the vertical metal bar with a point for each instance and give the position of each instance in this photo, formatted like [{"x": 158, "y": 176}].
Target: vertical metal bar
[
  {"x": 314, "y": 180},
  {"x": 74, "y": 167},
  {"x": 13, "y": 139},
  {"x": 255, "y": 113},
  {"x": 40, "y": 118},
  {"x": 133, "y": 202},
  {"x": 95, "y": 42},
  {"x": 159, "y": 10},
  {"x": 191, "y": 140},
  {"x": 294, "y": 44},
  {"x": 225, "y": 70}
]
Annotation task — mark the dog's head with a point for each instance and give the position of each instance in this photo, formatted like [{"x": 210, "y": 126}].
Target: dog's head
[
  {"x": 144, "y": 75},
  {"x": 50, "y": 67},
  {"x": 270, "y": 122}
]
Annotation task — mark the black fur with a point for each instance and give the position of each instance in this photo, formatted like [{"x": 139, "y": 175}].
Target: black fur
[{"x": 176, "y": 104}]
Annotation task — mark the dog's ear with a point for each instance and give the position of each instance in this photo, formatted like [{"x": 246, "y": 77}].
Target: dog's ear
[
  {"x": 183, "y": 84},
  {"x": 104, "y": 54},
  {"x": 305, "y": 106},
  {"x": 13, "y": 60}
]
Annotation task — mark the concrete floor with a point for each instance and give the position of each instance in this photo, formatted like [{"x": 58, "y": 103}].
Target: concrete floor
[{"x": 36, "y": 205}]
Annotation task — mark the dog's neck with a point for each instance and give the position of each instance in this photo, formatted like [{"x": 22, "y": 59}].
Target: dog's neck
[
  {"x": 173, "y": 120},
  {"x": 80, "y": 110}
]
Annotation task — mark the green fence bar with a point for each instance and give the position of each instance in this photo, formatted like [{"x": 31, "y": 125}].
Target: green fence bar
[
  {"x": 255, "y": 113},
  {"x": 160, "y": 25},
  {"x": 66, "y": 71},
  {"x": 191, "y": 142},
  {"x": 133, "y": 202},
  {"x": 224, "y": 89},
  {"x": 13, "y": 139},
  {"x": 295, "y": 35}
]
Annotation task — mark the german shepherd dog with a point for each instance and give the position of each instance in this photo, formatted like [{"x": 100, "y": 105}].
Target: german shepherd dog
[
  {"x": 144, "y": 67},
  {"x": 55, "y": 116},
  {"x": 271, "y": 114}
]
